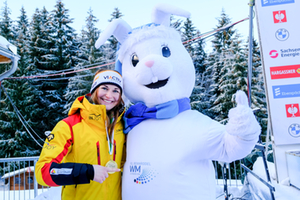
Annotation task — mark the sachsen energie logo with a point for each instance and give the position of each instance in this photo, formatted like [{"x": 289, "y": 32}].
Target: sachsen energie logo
[
  {"x": 281, "y": 72},
  {"x": 273, "y": 54},
  {"x": 285, "y": 53}
]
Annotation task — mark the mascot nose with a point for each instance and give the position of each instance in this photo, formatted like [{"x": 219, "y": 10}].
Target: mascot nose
[{"x": 149, "y": 63}]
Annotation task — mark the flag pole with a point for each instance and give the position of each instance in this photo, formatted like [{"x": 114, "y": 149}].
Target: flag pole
[{"x": 251, "y": 3}]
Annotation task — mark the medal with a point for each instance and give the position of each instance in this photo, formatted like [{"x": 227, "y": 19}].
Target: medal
[{"x": 111, "y": 164}]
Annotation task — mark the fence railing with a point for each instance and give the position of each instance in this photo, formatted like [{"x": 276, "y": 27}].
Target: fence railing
[{"x": 17, "y": 179}]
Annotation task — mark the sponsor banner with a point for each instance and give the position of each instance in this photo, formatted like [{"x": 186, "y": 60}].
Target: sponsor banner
[
  {"x": 280, "y": 72},
  {"x": 275, "y": 2},
  {"x": 279, "y": 35},
  {"x": 286, "y": 91}
]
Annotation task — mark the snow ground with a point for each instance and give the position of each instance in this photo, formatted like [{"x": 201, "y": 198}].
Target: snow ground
[{"x": 259, "y": 191}]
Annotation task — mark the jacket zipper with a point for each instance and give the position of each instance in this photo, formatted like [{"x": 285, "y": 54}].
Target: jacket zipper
[{"x": 98, "y": 153}]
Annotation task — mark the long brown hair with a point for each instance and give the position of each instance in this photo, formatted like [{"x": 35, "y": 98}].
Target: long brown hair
[{"x": 114, "y": 112}]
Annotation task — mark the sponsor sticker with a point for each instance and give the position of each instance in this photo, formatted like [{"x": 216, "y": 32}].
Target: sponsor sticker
[
  {"x": 281, "y": 72},
  {"x": 292, "y": 110},
  {"x": 279, "y": 16},
  {"x": 273, "y": 54},
  {"x": 275, "y": 2},
  {"x": 49, "y": 146},
  {"x": 142, "y": 172},
  {"x": 61, "y": 171},
  {"x": 294, "y": 130},
  {"x": 95, "y": 117},
  {"x": 282, "y": 34},
  {"x": 286, "y": 91}
]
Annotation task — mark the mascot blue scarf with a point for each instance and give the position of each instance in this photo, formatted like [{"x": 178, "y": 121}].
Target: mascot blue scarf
[{"x": 139, "y": 112}]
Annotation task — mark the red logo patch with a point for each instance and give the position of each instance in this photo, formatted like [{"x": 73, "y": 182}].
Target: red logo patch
[
  {"x": 279, "y": 16},
  {"x": 292, "y": 110}
]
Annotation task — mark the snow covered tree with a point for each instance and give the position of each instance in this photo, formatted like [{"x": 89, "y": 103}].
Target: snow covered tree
[
  {"x": 221, "y": 42},
  {"x": 17, "y": 104},
  {"x": 63, "y": 46},
  {"x": 233, "y": 77},
  {"x": 200, "y": 96},
  {"x": 188, "y": 33},
  {"x": 39, "y": 48},
  {"x": 6, "y": 24},
  {"x": 81, "y": 83},
  {"x": 258, "y": 97}
]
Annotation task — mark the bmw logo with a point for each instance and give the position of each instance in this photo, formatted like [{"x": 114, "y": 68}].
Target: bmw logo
[
  {"x": 282, "y": 34},
  {"x": 294, "y": 130}
]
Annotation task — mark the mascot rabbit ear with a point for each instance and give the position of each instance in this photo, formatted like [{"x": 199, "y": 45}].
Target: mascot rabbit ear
[
  {"x": 161, "y": 13},
  {"x": 118, "y": 28}
]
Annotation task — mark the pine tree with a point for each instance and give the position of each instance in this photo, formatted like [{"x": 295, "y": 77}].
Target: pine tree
[
  {"x": 258, "y": 97},
  {"x": 39, "y": 48},
  {"x": 15, "y": 140},
  {"x": 199, "y": 97},
  {"x": 215, "y": 67},
  {"x": 6, "y": 24},
  {"x": 188, "y": 33},
  {"x": 233, "y": 77},
  {"x": 64, "y": 47},
  {"x": 81, "y": 83}
]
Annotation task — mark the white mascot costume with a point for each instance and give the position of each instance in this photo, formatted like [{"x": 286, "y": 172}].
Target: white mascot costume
[{"x": 170, "y": 147}]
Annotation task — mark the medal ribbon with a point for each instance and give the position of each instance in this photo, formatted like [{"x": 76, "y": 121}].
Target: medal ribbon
[{"x": 110, "y": 142}]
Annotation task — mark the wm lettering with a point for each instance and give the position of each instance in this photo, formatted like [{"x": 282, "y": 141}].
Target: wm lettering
[{"x": 135, "y": 169}]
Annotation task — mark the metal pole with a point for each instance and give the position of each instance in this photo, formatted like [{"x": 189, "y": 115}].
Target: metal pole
[
  {"x": 251, "y": 3},
  {"x": 35, "y": 183},
  {"x": 225, "y": 185}
]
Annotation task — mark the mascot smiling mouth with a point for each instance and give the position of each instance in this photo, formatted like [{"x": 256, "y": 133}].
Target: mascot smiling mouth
[{"x": 158, "y": 84}]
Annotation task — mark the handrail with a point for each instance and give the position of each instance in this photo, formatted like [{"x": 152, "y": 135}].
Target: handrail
[
  {"x": 19, "y": 159},
  {"x": 262, "y": 180}
]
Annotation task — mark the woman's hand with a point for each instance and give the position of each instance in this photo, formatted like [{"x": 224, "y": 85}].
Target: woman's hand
[{"x": 101, "y": 173}]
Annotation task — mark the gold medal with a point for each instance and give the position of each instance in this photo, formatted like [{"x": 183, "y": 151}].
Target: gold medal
[{"x": 111, "y": 164}]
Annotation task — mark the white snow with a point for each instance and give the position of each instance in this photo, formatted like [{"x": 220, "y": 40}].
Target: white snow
[{"x": 260, "y": 191}]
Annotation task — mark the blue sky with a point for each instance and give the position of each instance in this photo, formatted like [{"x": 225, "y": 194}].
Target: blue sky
[{"x": 138, "y": 12}]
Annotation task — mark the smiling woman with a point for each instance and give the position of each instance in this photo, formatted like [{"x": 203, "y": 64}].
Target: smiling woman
[{"x": 86, "y": 152}]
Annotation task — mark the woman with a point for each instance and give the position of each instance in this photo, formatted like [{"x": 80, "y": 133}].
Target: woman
[{"x": 84, "y": 152}]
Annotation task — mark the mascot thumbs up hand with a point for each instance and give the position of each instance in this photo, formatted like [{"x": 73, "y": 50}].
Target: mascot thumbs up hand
[{"x": 242, "y": 122}]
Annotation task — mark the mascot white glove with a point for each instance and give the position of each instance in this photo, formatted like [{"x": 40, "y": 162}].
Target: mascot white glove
[{"x": 242, "y": 122}]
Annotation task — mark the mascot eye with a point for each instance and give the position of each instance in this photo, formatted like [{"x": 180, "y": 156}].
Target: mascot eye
[
  {"x": 166, "y": 52},
  {"x": 134, "y": 60}
]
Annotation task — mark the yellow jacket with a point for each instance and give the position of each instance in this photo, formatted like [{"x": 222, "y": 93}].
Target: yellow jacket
[{"x": 75, "y": 144}]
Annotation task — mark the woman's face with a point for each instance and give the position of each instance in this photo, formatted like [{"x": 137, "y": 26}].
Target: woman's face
[{"x": 108, "y": 95}]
